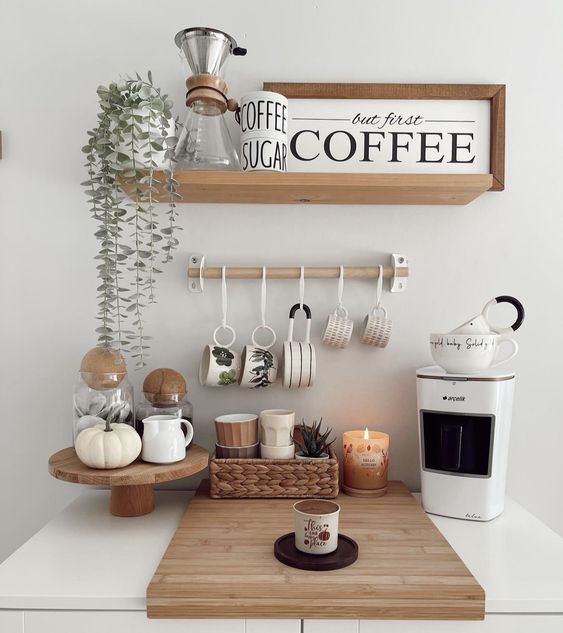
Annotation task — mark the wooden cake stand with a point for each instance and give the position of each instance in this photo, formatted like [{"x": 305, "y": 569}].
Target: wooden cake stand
[{"x": 131, "y": 486}]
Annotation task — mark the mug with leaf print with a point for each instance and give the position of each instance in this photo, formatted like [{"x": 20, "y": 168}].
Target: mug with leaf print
[
  {"x": 259, "y": 364},
  {"x": 220, "y": 364}
]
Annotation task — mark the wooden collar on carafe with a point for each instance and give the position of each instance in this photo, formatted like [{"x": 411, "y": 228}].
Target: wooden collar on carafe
[{"x": 210, "y": 89}]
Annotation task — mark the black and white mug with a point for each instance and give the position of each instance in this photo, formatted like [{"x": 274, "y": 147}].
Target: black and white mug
[{"x": 299, "y": 357}]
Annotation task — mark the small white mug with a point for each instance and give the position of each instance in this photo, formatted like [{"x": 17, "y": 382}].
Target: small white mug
[
  {"x": 316, "y": 526},
  {"x": 339, "y": 328},
  {"x": 163, "y": 440},
  {"x": 220, "y": 365},
  {"x": 277, "y": 427},
  {"x": 377, "y": 328}
]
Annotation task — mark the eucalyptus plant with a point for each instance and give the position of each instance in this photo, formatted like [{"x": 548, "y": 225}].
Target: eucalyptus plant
[{"x": 134, "y": 129}]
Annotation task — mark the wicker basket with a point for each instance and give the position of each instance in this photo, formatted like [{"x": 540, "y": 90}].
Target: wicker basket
[{"x": 271, "y": 478}]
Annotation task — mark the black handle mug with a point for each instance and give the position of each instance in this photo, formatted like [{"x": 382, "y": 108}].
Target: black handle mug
[{"x": 299, "y": 357}]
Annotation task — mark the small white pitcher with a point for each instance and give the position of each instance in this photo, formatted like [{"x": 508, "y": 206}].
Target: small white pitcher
[{"x": 163, "y": 440}]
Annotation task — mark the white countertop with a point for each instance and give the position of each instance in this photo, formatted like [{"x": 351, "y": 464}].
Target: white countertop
[{"x": 87, "y": 559}]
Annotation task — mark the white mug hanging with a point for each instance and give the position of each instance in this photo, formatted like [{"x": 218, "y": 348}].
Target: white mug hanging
[
  {"x": 220, "y": 364},
  {"x": 377, "y": 327},
  {"x": 299, "y": 357},
  {"x": 259, "y": 364},
  {"x": 339, "y": 327}
]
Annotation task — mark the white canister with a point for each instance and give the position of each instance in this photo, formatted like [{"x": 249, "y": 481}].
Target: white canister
[
  {"x": 263, "y": 123},
  {"x": 316, "y": 526}
]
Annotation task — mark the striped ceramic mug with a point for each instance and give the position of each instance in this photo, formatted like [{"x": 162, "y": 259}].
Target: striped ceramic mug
[{"x": 299, "y": 357}]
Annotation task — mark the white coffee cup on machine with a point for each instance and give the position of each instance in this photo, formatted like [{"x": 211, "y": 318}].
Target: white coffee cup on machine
[{"x": 470, "y": 353}]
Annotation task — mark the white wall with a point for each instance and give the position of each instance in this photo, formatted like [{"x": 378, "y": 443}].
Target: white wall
[{"x": 52, "y": 57}]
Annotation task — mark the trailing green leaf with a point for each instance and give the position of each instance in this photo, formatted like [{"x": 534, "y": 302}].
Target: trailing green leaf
[{"x": 132, "y": 124}]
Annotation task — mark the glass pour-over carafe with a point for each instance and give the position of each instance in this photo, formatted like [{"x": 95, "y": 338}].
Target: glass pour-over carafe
[{"x": 205, "y": 142}]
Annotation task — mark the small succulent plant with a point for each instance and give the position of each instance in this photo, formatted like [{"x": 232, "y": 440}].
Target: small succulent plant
[{"x": 312, "y": 442}]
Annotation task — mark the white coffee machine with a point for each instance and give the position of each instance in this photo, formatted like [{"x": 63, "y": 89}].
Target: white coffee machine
[{"x": 464, "y": 427}]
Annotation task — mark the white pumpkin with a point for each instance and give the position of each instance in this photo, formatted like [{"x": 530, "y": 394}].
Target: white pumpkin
[{"x": 108, "y": 445}]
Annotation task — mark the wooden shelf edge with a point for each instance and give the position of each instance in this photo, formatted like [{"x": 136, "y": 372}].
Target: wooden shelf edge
[{"x": 327, "y": 188}]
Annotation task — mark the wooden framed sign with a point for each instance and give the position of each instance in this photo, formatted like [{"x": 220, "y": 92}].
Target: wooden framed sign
[{"x": 396, "y": 128}]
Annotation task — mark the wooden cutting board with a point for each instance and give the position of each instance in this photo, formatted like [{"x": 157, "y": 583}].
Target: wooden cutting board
[{"x": 220, "y": 564}]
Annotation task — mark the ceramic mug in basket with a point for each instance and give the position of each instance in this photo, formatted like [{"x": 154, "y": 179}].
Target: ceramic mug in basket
[
  {"x": 220, "y": 365},
  {"x": 463, "y": 353},
  {"x": 299, "y": 357},
  {"x": 237, "y": 429},
  {"x": 277, "y": 427}
]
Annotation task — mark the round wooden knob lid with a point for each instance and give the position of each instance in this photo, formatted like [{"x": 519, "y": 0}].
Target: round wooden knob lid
[
  {"x": 103, "y": 368},
  {"x": 164, "y": 386}
]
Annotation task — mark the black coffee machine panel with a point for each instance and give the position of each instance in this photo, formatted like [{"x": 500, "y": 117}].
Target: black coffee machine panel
[{"x": 458, "y": 444}]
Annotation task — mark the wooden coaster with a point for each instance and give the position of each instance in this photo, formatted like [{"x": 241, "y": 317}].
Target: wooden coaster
[
  {"x": 358, "y": 492},
  {"x": 345, "y": 554}
]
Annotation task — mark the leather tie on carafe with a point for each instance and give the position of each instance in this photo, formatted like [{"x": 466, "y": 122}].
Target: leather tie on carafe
[{"x": 210, "y": 89}]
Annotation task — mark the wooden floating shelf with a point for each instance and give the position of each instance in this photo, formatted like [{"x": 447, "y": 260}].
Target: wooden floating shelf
[{"x": 323, "y": 188}]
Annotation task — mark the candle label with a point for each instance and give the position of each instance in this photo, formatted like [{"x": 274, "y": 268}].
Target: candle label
[
  {"x": 365, "y": 465},
  {"x": 316, "y": 534}
]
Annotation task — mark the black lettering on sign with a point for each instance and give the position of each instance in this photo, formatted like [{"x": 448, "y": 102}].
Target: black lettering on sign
[
  {"x": 456, "y": 147},
  {"x": 293, "y": 144},
  {"x": 368, "y": 145},
  {"x": 328, "y": 150},
  {"x": 366, "y": 120},
  {"x": 424, "y": 147},
  {"x": 395, "y": 145}
]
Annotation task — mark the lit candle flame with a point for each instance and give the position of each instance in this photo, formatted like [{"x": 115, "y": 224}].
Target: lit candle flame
[{"x": 366, "y": 434}]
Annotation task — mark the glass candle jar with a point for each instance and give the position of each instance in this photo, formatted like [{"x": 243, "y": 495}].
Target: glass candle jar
[
  {"x": 366, "y": 459},
  {"x": 100, "y": 395}
]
